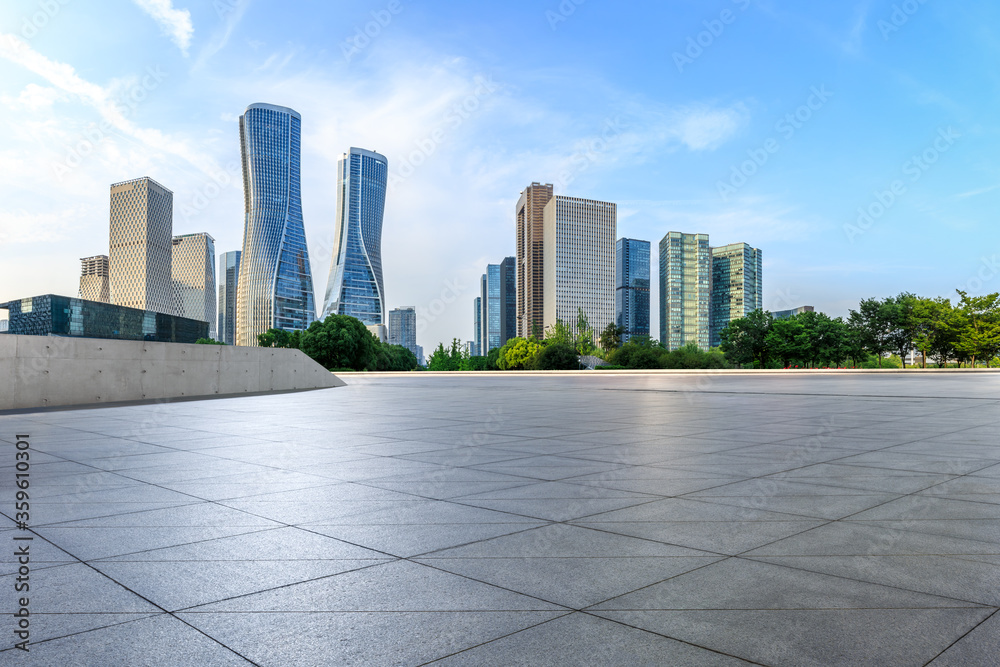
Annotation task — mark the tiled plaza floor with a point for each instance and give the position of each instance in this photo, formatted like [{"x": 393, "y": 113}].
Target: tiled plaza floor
[{"x": 518, "y": 520}]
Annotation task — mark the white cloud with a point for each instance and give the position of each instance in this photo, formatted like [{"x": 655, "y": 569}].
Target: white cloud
[
  {"x": 33, "y": 98},
  {"x": 707, "y": 128},
  {"x": 176, "y": 23},
  {"x": 221, "y": 37},
  {"x": 112, "y": 110}
]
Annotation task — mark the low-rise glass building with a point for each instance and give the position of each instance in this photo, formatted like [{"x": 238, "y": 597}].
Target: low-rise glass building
[{"x": 52, "y": 315}]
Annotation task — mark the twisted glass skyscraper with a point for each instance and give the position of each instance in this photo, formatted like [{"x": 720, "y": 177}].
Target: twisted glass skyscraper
[
  {"x": 355, "y": 285},
  {"x": 274, "y": 289}
]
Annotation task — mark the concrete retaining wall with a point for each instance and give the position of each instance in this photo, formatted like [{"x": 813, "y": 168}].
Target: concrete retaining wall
[{"x": 49, "y": 371}]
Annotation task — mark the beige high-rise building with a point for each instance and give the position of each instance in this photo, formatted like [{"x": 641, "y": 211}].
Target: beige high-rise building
[
  {"x": 142, "y": 213},
  {"x": 193, "y": 274},
  {"x": 579, "y": 262},
  {"x": 94, "y": 285},
  {"x": 530, "y": 260}
]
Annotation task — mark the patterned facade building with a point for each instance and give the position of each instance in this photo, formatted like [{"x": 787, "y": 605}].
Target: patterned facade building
[
  {"x": 685, "y": 290},
  {"x": 274, "y": 288},
  {"x": 477, "y": 327},
  {"x": 579, "y": 262},
  {"x": 355, "y": 286},
  {"x": 139, "y": 261},
  {"x": 95, "y": 282},
  {"x": 508, "y": 299},
  {"x": 193, "y": 258},
  {"x": 403, "y": 328},
  {"x": 632, "y": 284},
  {"x": 737, "y": 285},
  {"x": 229, "y": 273},
  {"x": 530, "y": 242},
  {"x": 492, "y": 305}
]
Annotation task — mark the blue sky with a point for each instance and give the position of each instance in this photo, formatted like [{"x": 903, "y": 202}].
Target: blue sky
[{"x": 763, "y": 121}]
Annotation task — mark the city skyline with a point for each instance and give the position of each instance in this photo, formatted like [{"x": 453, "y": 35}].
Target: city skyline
[{"x": 806, "y": 169}]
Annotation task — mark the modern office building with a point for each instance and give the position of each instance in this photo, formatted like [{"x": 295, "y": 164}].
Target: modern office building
[
  {"x": 193, "y": 258},
  {"x": 355, "y": 285},
  {"x": 737, "y": 278},
  {"x": 491, "y": 295},
  {"x": 274, "y": 288},
  {"x": 95, "y": 282},
  {"x": 142, "y": 213},
  {"x": 685, "y": 290},
  {"x": 508, "y": 300},
  {"x": 788, "y": 314},
  {"x": 579, "y": 262},
  {"x": 4, "y": 326},
  {"x": 477, "y": 331},
  {"x": 403, "y": 328},
  {"x": 530, "y": 241},
  {"x": 632, "y": 258},
  {"x": 52, "y": 315},
  {"x": 229, "y": 273}
]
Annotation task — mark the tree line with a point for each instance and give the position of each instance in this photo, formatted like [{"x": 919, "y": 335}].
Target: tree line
[{"x": 966, "y": 333}]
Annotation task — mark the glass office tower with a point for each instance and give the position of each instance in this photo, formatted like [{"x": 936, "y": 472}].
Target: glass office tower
[
  {"x": 737, "y": 285},
  {"x": 632, "y": 288},
  {"x": 477, "y": 323},
  {"x": 229, "y": 273},
  {"x": 355, "y": 284},
  {"x": 685, "y": 290},
  {"x": 274, "y": 289},
  {"x": 491, "y": 304},
  {"x": 508, "y": 300}
]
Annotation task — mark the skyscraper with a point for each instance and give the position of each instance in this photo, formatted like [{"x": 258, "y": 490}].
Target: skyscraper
[
  {"x": 229, "y": 273},
  {"x": 477, "y": 318},
  {"x": 139, "y": 266},
  {"x": 274, "y": 289},
  {"x": 530, "y": 261},
  {"x": 355, "y": 284},
  {"x": 94, "y": 279},
  {"x": 685, "y": 290},
  {"x": 632, "y": 288},
  {"x": 579, "y": 262},
  {"x": 403, "y": 328},
  {"x": 492, "y": 306},
  {"x": 193, "y": 272},
  {"x": 508, "y": 300},
  {"x": 737, "y": 285}
]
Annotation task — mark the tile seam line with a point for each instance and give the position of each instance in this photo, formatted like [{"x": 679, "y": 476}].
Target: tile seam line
[
  {"x": 147, "y": 600},
  {"x": 954, "y": 643}
]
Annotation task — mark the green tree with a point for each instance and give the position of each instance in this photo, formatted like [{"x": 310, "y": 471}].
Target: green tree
[
  {"x": 516, "y": 353},
  {"x": 873, "y": 324},
  {"x": 208, "y": 341},
  {"x": 280, "y": 338},
  {"x": 341, "y": 341},
  {"x": 611, "y": 338},
  {"x": 561, "y": 333},
  {"x": 556, "y": 357},
  {"x": 744, "y": 341},
  {"x": 788, "y": 340},
  {"x": 980, "y": 337},
  {"x": 902, "y": 324},
  {"x": 934, "y": 329},
  {"x": 446, "y": 359}
]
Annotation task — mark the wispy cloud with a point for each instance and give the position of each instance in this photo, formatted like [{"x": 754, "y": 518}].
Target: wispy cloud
[
  {"x": 65, "y": 78},
  {"x": 855, "y": 39},
  {"x": 221, "y": 37},
  {"x": 976, "y": 193},
  {"x": 176, "y": 23}
]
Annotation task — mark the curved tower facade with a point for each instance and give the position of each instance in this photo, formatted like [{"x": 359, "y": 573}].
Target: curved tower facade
[
  {"x": 355, "y": 285},
  {"x": 274, "y": 289}
]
